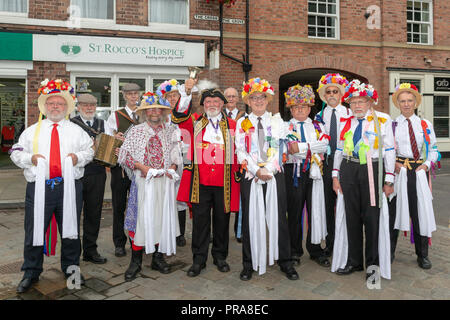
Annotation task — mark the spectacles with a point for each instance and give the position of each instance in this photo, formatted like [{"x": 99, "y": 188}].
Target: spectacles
[
  {"x": 258, "y": 98},
  {"x": 358, "y": 103},
  {"x": 332, "y": 91},
  {"x": 229, "y": 97},
  {"x": 57, "y": 104}
]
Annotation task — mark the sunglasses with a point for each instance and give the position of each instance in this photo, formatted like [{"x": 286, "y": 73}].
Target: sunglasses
[{"x": 332, "y": 91}]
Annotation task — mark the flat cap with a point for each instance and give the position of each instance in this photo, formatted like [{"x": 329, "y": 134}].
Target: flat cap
[
  {"x": 86, "y": 98},
  {"x": 131, "y": 87}
]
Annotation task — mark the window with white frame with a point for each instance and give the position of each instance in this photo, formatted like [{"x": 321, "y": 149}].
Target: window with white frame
[
  {"x": 419, "y": 17},
  {"x": 168, "y": 11},
  {"x": 441, "y": 115},
  {"x": 14, "y": 6},
  {"x": 95, "y": 9},
  {"x": 323, "y": 19}
]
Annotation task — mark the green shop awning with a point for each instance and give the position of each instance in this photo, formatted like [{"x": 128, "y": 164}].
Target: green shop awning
[{"x": 16, "y": 46}]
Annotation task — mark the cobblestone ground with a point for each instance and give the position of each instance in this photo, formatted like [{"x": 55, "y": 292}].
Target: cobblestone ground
[{"x": 106, "y": 282}]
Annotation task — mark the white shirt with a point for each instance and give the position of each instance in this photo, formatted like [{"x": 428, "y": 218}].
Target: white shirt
[
  {"x": 213, "y": 135},
  {"x": 320, "y": 145},
  {"x": 388, "y": 143},
  {"x": 341, "y": 112},
  {"x": 403, "y": 142},
  {"x": 86, "y": 121},
  {"x": 72, "y": 139},
  {"x": 111, "y": 123},
  {"x": 234, "y": 113},
  {"x": 277, "y": 131}
]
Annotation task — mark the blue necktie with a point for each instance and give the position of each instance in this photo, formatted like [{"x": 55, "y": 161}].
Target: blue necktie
[{"x": 357, "y": 136}]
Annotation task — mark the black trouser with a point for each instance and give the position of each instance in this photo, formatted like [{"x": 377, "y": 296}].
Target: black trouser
[
  {"x": 210, "y": 198},
  {"x": 355, "y": 187},
  {"x": 93, "y": 192},
  {"x": 330, "y": 200},
  {"x": 284, "y": 247},
  {"x": 70, "y": 249},
  {"x": 120, "y": 186},
  {"x": 296, "y": 199},
  {"x": 182, "y": 221},
  {"x": 420, "y": 242}
]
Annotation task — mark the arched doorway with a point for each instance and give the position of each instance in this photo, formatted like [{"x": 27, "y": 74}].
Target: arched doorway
[{"x": 311, "y": 77}]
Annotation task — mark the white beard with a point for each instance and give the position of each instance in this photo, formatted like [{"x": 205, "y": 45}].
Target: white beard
[{"x": 212, "y": 114}]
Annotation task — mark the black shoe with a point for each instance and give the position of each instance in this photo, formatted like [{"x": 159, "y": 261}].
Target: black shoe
[
  {"x": 239, "y": 240},
  {"x": 424, "y": 263},
  {"x": 327, "y": 252},
  {"x": 25, "y": 284},
  {"x": 181, "y": 241},
  {"x": 392, "y": 258},
  {"x": 295, "y": 260},
  {"x": 120, "y": 252},
  {"x": 195, "y": 269},
  {"x": 95, "y": 258},
  {"x": 321, "y": 261},
  {"x": 135, "y": 265},
  {"x": 158, "y": 263},
  {"x": 222, "y": 265},
  {"x": 82, "y": 280},
  {"x": 246, "y": 274},
  {"x": 349, "y": 270},
  {"x": 290, "y": 272}
]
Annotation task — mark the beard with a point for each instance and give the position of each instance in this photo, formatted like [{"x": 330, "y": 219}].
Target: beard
[
  {"x": 212, "y": 113},
  {"x": 56, "y": 118}
]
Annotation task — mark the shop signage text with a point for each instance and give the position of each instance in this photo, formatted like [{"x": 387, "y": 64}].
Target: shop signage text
[
  {"x": 441, "y": 84},
  {"x": 216, "y": 18}
]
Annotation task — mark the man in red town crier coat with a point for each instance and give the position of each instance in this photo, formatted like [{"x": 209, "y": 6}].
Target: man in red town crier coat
[{"x": 209, "y": 177}]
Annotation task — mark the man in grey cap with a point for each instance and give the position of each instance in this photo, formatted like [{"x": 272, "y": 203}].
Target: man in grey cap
[
  {"x": 93, "y": 180},
  {"x": 116, "y": 125}
]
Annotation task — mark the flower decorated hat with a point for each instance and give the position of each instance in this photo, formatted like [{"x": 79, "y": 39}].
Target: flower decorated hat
[
  {"x": 54, "y": 88},
  {"x": 406, "y": 87},
  {"x": 331, "y": 80},
  {"x": 150, "y": 101},
  {"x": 357, "y": 89},
  {"x": 257, "y": 85},
  {"x": 297, "y": 94},
  {"x": 166, "y": 87}
]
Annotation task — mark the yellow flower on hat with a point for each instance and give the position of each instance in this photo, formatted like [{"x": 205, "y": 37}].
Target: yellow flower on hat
[{"x": 405, "y": 86}]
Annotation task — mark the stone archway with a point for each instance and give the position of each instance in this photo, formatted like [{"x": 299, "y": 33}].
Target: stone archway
[{"x": 340, "y": 64}]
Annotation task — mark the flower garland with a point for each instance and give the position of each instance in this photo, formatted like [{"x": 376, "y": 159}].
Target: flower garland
[
  {"x": 257, "y": 85},
  {"x": 56, "y": 86},
  {"x": 357, "y": 89}
]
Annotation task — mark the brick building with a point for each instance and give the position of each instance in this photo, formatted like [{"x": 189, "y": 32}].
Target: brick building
[{"x": 99, "y": 44}]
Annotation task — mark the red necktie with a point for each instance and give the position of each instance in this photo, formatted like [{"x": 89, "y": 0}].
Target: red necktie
[
  {"x": 412, "y": 139},
  {"x": 55, "y": 155}
]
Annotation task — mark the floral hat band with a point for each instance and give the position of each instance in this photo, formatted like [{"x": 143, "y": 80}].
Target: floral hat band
[
  {"x": 406, "y": 87},
  {"x": 257, "y": 85},
  {"x": 331, "y": 80},
  {"x": 357, "y": 89},
  {"x": 166, "y": 87},
  {"x": 150, "y": 101},
  {"x": 57, "y": 87},
  {"x": 297, "y": 94}
]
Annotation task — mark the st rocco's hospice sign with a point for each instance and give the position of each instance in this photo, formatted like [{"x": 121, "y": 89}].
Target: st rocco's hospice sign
[{"x": 117, "y": 50}]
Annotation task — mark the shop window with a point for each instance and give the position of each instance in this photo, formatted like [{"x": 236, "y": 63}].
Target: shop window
[
  {"x": 323, "y": 19},
  {"x": 14, "y": 6},
  {"x": 95, "y": 9},
  {"x": 12, "y": 111},
  {"x": 168, "y": 11},
  {"x": 441, "y": 107},
  {"x": 122, "y": 81},
  {"x": 419, "y": 21},
  {"x": 101, "y": 89}
]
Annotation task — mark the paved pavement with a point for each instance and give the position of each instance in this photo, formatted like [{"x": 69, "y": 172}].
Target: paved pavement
[{"x": 106, "y": 282}]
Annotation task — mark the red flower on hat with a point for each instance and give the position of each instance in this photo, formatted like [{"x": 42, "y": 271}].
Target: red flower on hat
[
  {"x": 265, "y": 89},
  {"x": 375, "y": 95},
  {"x": 247, "y": 88},
  {"x": 414, "y": 87}
]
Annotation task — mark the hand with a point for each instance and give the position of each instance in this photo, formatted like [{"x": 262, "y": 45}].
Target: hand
[
  {"x": 293, "y": 148},
  {"x": 74, "y": 158},
  {"x": 189, "y": 84},
  {"x": 337, "y": 186},
  {"x": 388, "y": 190},
  {"x": 422, "y": 167},
  {"x": 120, "y": 136},
  {"x": 173, "y": 167},
  {"x": 398, "y": 166},
  {"x": 263, "y": 174},
  {"x": 35, "y": 157},
  {"x": 116, "y": 152}
]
